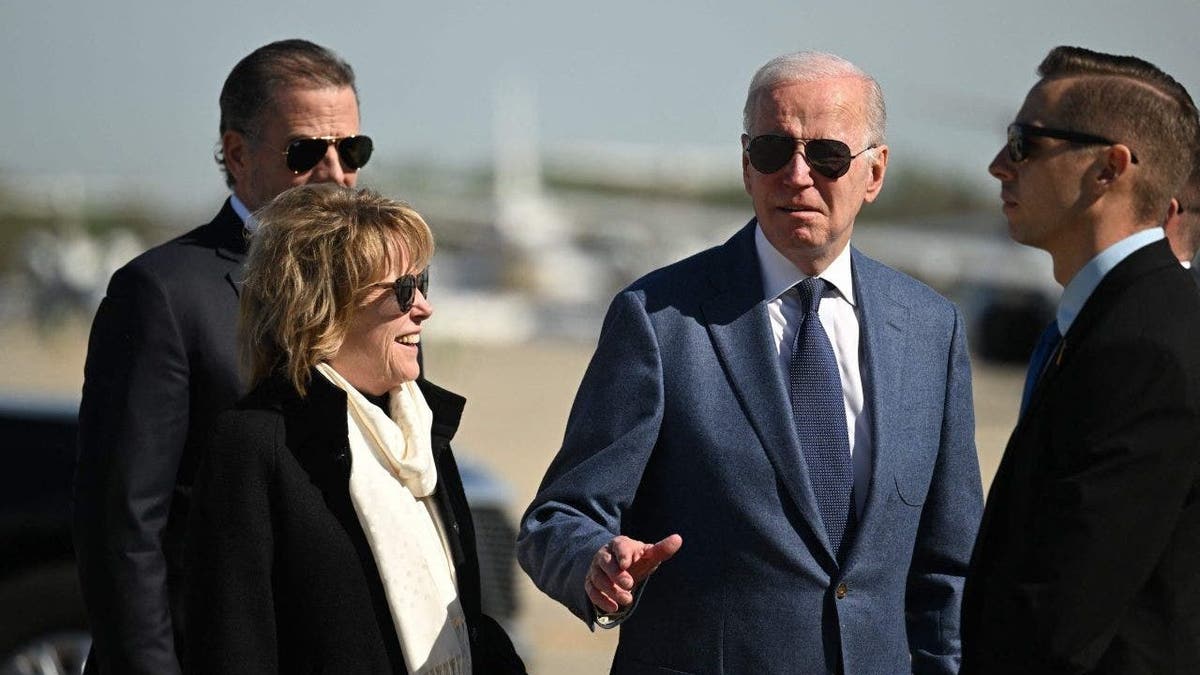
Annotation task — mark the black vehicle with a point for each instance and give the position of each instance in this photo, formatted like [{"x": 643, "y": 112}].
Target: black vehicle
[{"x": 43, "y": 627}]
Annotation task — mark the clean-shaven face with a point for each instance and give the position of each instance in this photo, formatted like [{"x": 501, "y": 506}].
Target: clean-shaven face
[
  {"x": 806, "y": 216},
  {"x": 1042, "y": 194},
  {"x": 295, "y": 114}
]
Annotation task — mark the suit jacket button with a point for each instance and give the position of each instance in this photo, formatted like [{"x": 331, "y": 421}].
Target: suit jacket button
[{"x": 841, "y": 591}]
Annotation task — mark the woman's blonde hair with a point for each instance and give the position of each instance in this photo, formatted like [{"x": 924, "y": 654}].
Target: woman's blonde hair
[{"x": 313, "y": 256}]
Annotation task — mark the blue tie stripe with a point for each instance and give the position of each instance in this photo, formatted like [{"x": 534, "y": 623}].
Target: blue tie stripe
[
  {"x": 1046, "y": 345},
  {"x": 820, "y": 416}
]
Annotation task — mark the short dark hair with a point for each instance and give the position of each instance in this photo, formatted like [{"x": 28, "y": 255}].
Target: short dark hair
[
  {"x": 1189, "y": 196},
  {"x": 1133, "y": 102},
  {"x": 251, "y": 87},
  {"x": 1189, "y": 202}
]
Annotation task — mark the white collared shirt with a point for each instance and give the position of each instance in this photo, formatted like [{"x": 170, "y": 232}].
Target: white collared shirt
[
  {"x": 839, "y": 316},
  {"x": 239, "y": 208}
]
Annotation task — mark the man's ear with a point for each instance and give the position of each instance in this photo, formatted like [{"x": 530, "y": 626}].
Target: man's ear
[
  {"x": 878, "y": 170},
  {"x": 1116, "y": 162},
  {"x": 234, "y": 148},
  {"x": 1174, "y": 214},
  {"x": 745, "y": 164},
  {"x": 1173, "y": 228}
]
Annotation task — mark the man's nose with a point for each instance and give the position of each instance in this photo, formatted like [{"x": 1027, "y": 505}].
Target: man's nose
[
  {"x": 1001, "y": 166},
  {"x": 797, "y": 170},
  {"x": 331, "y": 170}
]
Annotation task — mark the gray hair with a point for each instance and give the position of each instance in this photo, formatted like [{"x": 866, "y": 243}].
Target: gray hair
[{"x": 810, "y": 66}]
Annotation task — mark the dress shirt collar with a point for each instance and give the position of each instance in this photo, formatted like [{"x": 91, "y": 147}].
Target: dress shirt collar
[
  {"x": 1080, "y": 287},
  {"x": 779, "y": 274},
  {"x": 244, "y": 213}
]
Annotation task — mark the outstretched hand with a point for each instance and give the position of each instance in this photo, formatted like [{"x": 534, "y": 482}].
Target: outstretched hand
[{"x": 620, "y": 565}]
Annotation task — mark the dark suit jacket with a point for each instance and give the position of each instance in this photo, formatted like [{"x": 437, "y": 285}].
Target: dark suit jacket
[
  {"x": 683, "y": 424},
  {"x": 161, "y": 364},
  {"x": 282, "y": 577},
  {"x": 1088, "y": 559}
]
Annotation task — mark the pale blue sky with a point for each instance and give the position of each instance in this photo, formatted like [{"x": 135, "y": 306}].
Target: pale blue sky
[{"x": 124, "y": 92}]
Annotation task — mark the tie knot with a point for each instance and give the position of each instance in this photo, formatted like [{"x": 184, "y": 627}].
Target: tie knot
[{"x": 810, "y": 291}]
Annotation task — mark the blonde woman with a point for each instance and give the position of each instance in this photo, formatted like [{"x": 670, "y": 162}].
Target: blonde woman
[{"x": 329, "y": 531}]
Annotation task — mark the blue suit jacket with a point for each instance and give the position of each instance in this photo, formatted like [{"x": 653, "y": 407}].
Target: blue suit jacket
[{"x": 683, "y": 424}]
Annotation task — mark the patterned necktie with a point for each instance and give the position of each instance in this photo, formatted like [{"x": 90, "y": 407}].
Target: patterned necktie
[
  {"x": 1046, "y": 345},
  {"x": 820, "y": 415}
]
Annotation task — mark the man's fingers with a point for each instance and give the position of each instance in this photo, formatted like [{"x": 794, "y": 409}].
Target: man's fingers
[
  {"x": 653, "y": 556},
  {"x": 601, "y": 601},
  {"x": 615, "y": 557},
  {"x": 623, "y": 550},
  {"x": 621, "y": 564},
  {"x": 604, "y": 592}
]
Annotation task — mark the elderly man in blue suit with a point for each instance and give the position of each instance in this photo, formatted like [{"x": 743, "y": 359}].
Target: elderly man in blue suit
[{"x": 770, "y": 464}]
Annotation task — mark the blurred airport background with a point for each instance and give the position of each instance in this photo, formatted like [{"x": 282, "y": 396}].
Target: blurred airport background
[
  {"x": 530, "y": 250},
  {"x": 558, "y": 152}
]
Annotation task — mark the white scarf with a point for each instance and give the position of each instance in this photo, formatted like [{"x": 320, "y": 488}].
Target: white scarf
[{"x": 392, "y": 478}]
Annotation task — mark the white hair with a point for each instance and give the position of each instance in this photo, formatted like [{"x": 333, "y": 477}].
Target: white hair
[{"x": 810, "y": 66}]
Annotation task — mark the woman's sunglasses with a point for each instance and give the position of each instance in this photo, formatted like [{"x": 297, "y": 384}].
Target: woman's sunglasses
[
  {"x": 304, "y": 153},
  {"x": 406, "y": 287},
  {"x": 770, "y": 153}
]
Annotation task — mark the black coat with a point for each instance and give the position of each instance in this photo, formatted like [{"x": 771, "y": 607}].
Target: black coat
[
  {"x": 282, "y": 577},
  {"x": 161, "y": 364},
  {"x": 1088, "y": 558}
]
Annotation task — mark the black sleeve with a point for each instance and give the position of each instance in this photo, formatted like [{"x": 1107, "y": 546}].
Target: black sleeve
[
  {"x": 133, "y": 427},
  {"x": 231, "y": 549},
  {"x": 492, "y": 652}
]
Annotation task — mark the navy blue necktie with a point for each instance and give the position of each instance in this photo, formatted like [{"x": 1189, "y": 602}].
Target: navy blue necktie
[
  {"x": 1046, "y": 345},
  {"x": 820, "y": 414}
]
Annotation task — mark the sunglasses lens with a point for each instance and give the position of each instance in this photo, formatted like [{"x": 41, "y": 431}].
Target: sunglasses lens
[
  {"x": 1016, "y": 143},
  {"x": 828, "y": 157},
  {"x": 408, "y": 285},
  {"x": 355, "y": 151},
  {"x": 404, "y": 291},
  {"x": 769, "y": 154},
  {"x": 423, "y": 282},
  {"x": 304, "y": 153}
]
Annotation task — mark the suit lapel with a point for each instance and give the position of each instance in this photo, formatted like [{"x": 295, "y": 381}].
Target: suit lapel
[
  {"x": 230, "y": 244},
  {"x": 235, "y": 279},
  {"x": 882, "y": 322},
  {"x": 739, "y": 327},
  {"x": 1142, "y": 261}
]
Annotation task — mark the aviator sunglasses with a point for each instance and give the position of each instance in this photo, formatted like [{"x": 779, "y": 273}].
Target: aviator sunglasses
[
  {"x": 406, "y": 287},
  {"x": 1018, "y": 140},
  {"x": 770, "y": 153},
  {"x": 304, "y": 153}
]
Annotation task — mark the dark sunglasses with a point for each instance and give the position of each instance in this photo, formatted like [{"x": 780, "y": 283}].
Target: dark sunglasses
[
  {"x": 1018, "y": 140},
  {"x": 830, "y": 158},
  {"x": 406, "y": 287},
  {"x": 304, "y": 153}
]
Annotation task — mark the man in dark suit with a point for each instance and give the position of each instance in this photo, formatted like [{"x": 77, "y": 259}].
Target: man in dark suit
[
  {"x": 1088, "y": 553},
  {"x": 161, "y": 359},
  {"x": 789, "y": 420}
]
